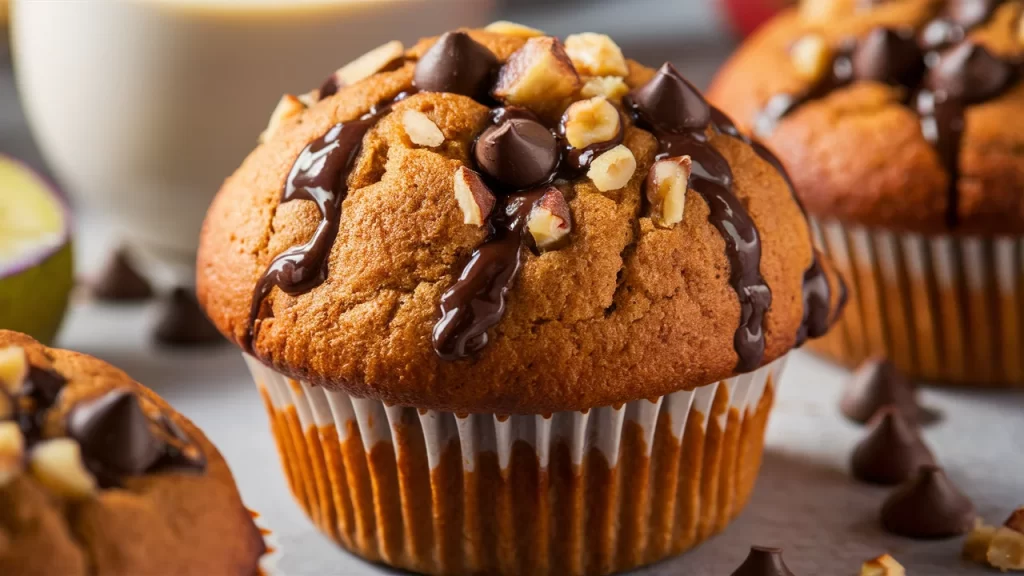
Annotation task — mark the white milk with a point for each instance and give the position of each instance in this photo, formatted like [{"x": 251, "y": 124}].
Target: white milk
[{"x": 143, "y": 107}]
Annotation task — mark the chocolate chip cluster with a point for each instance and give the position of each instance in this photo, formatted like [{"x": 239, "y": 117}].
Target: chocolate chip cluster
[{"x": 107, "y": 438}]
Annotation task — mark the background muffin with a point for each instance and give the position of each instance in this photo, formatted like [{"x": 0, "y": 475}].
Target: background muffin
[
  {"x": 98, "y": 475},
  {"x": 898, "y": 123},
  {"x": 519, "y": 268}
]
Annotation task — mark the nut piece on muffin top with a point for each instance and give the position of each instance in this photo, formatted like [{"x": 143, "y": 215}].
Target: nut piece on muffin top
[
  {"x": 903, "y": 114},
  {"x": 100, "y": 476},
  {"x": 496, "y": 220}
]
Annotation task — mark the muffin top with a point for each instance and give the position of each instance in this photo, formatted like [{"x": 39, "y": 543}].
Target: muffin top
[
  {"x": 100, "y": 476},
  {"x": 497, "y": 221},
  {"x": 903, "y": 114}
]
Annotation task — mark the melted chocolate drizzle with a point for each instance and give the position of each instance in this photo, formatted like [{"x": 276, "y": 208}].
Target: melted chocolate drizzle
[
  {"x": 942, "y": 71},
  {"x": 320, "y": 174}
]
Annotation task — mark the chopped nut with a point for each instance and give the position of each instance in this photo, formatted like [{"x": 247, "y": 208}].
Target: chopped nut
[
  {"x": 57, "y": 464},
  {"x": 596, "y": 55},
  {"x": 512, "y": 29},
  {"x": 550, "y": 220},
  {"x": 13, "y": 368},
  {"x": 288, "y": 107},
  {"x": 1006, "y": 550},
  {"x": 977, "y": 542},
  {"x": 12, "y": 451},
  {"x": 884, "y": 565},
  {"x": 611, "y": 87},
  {"x": 591, "y": 121},
  {"x": 421, "y": 129},
  {"x": 1016, "y": 520},
  {"x": 613, "y": 169},
  {"x": 474, "y": 197},
  {"x": 823, "y": 11},
  {"x": 369, "y": 64},
  {"x": 539, "y": 76},
  {"x": 811, "y": 57},
  {"x": 667, "y": 183},
  {"x": 309, "y": 98}
]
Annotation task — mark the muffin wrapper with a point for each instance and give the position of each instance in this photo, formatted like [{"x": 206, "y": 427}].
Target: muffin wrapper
[
  {"x": 588, "y": 492},
  {"x": 943, "y": 308}
]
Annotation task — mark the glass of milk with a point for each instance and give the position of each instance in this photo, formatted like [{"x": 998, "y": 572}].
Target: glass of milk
[{"x": 143, "y": 107}]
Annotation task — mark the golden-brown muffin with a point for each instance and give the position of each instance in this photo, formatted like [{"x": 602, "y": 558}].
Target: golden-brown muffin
[
  {"x": 100, "y": 477},
  {"x": 898, "y": 122}
]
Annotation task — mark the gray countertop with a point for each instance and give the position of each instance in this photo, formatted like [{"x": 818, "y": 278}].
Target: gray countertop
[{"x": 804, "y": 501}]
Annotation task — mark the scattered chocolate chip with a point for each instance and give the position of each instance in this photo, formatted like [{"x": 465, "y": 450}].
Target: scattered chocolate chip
[
  {"x": 928, "y": 506},
  {"x": 763, "y": 562},
  {"x": 889, "y": 56},
  {"x": 875, "y": 384},
  {"x": 970, "y": 73},
  {"x": 891, "y": 452},
  {"x": 115, "y": 436},
  {"x": 183, "y": 323},
  {"x": 668, "y": 102},
  {"x": 120, "y": 281},
  {"x": 519, "y": 153},
  {"x": 458, "y": 64}
]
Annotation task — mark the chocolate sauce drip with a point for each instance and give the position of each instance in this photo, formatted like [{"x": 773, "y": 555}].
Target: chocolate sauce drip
[
  {"x": 943, "y": 73},
  {"x": 320, "y": 174},
  {"x": 477, "y": 300},
  {"x": 577, "y": 160},
  {"x": 41, "y": 389},
  {"x": 676, "y": 113}
]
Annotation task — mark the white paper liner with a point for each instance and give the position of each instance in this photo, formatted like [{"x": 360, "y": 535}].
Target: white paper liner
[
  {"x": 269, "y": 561},
  {"x": 600, "y": 430},
  {"x": 943, "y": 308}
]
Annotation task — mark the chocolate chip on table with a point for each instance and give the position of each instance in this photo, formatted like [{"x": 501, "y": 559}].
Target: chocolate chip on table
[
  {"x": 183, "y": 323},
  {"x": 928, "y": 506},
  {"x": 891, "y": 452},
  {"x": 120, "y": 281},
  {"x": 763, "y": 561},
  {"x": 458, "y": 64},
  {"x": 875, "y": 384}
]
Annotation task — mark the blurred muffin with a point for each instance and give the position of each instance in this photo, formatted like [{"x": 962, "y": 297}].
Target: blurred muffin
[
  {"x": 530, "y": 312},
  {"x": 899, "y": 124},
  {"x": 100, "y": 476}
]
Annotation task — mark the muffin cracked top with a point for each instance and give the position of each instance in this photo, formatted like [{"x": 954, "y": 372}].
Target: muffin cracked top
[
  {"x": 497, "y": 221},
  {"x": 99, "y": 476},
  {"x": 903, "y": 114}
]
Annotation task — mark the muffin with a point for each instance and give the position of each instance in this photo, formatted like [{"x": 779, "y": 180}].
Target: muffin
[
  {"x": 899, "y": 123},
  {"x": 100, "y": 476},
  {"x": 515, "y": 305}
]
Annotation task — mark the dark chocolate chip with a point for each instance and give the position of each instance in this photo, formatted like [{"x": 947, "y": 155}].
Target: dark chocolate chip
[
  {"x": 669, "y": 103},
  {"x": 120, "y": 281},
  {"x": 518, "y": 153},
  {"x": 183, "y": 323},
  {"x": 892, "y": 451},
  {"x": 458, "y": 64},
  {"x": 875, "y": 384},
  {"x": 763, "y": 562},
  {"x": 969, "y": 72},
  {"x": 115, "y": 436},
  {"x": 330, "y": 86},
  {"x": 889, "y": 56},
  {"x": 928, "y": 506}
]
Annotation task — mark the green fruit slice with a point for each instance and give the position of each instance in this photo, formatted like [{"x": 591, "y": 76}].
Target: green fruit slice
[{"x": 35, "y": 253}]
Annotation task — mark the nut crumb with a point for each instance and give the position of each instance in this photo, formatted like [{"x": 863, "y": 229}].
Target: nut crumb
[
  {"x": 13, "y": 368},
  {"x": 590, "y": 122},
  {"x": 57, "y": 464},
  {"x": 474, "y": 197},
  {"x": 884, "y": 565},
  {"x": 538, "y": 76},
  {"x": 811, "y": 57},
  {"x": 550, "y": 221},
  {"x": 613, "y": 169},
  {"x": 369, "y": 64},
  {"x": 596, "y": 55},
  {"x": 513, "y": 29},
  {"x": 421, "y": 129},
  {"x": 612, "y": 88},
  {"x": 667, "y": 183}
]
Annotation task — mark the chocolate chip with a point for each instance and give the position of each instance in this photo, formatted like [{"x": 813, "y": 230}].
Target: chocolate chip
[
  {"x": 889, "y": 56},
  {"x": 969, "y": 72},
  {"x": 875, "y": 384},
  {"x": 458, "y": 64},
  {"x": 891, "y": 452},
  {"x": 183, "y": 323},
  {"x": 115, "y": 436},
  {"x": 763, "y": 561},
  {"x": 519, "y": 153},
  {"x": 928, "y": 506},
  {"x": 668, "y": 102},
  {"x": 121, "y": 282},
  {"x": 330, "y": 86}
]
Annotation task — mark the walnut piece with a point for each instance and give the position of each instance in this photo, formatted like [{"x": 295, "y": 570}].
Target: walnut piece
[
  {"x": 612, "y": 88},
  {"x": 369, "y": 64},
  {"x": 590, "y": 122},
  {"x": 421, "y": 129},
  {"x": 667, "y": 183},
  {"x": 613, "y": 169},
  {"x": 474, "y": 197},
  {"x": 512, "y": 29},
  {"x": 57, "y": 465},
  {"x": 550, "y": 220},
  {"x": 811, "y": 57},
  {"x": 596, "y": 55},
  {"x": 538, "y": 76},
  {"x": 13, "y": 368}
]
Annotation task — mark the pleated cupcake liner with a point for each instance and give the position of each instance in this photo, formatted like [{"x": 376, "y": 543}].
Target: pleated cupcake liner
[
  {"x": 591, "y": 492},
  {"x": 270, "y": 559},
  {"x": 943, "y": 308}
]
